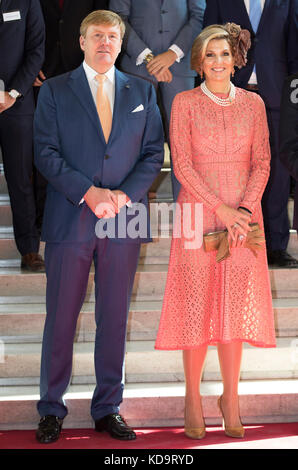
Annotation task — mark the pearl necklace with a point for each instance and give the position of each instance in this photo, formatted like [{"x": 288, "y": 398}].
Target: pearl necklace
[{"x": 221, "y": 101}]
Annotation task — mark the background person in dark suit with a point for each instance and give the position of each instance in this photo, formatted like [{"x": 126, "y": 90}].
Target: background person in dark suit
[
  {"x": 22, "y": 38},
  {"x": 166, "y": 30},
  {"x": 89, "y": 161},
  {"x": 273, "y": 25},
  {"x": 62, "y": 21},
  {"x": 289, "y": 133}
]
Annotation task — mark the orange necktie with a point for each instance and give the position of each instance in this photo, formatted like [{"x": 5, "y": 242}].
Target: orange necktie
[{"x": 103, "y": 107}]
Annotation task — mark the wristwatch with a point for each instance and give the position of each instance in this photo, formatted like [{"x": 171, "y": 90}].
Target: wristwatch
[
  {"x": 14, "y": 94},
  {"x": 148, "y": 57}
]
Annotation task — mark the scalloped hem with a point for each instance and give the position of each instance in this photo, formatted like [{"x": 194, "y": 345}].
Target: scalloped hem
[{"x": 215, "y": 342}]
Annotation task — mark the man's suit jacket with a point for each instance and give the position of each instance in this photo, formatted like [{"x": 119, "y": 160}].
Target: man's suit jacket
[
  {"x": 274, "y": 47},
  {"x": 71, "y": 153},
  {"x": 289, "y": 132},
  {"x": 157, "y": 24},
  {"x": 21, "y": 51},
  {"x": 62, "y": 49}
]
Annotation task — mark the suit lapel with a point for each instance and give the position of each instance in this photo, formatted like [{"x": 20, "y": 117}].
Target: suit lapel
[
  {"x": 122, "y": 89},
  {"x": 244, "y": 13},
  {"x": 79, "y": 84},
  {"x": 264, "y": 13}
]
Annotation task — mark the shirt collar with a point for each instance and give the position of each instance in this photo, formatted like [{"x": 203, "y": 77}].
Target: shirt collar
[{"x": 91, "y": 73}]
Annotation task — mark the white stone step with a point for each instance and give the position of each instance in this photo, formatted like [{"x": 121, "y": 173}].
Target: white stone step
[
  {"x": 156, "y": 252},
  {"x": 149, "y": 282},
  {"x": 157, "y": 404},
  {"x": 143, "y": 363},
  {"x": 23, "y": 322},
  {"x": 21, "y": 363}
]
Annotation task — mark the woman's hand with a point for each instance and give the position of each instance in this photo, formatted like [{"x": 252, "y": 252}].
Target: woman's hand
[
  {"x": 237, "y": 223},
  {"x": 240, "y": 239}
]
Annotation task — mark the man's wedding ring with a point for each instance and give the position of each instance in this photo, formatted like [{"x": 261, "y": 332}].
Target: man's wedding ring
[{"x": 241, "y": 237}]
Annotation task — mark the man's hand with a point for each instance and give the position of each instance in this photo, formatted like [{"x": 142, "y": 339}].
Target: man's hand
[
  {"x": 39, "y": 79},
  {"x": 165, "y": 76},
  {"x": 6, "y": 101},
  {"x": 161, "y": 62},
  {"x": 103, "y": 202},
  {"x": 121, "y": 198}
]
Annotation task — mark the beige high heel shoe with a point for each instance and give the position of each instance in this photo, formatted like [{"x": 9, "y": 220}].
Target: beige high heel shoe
[
  {"x": 231, "y": 431},
  {"x": 195, "y": 433}
]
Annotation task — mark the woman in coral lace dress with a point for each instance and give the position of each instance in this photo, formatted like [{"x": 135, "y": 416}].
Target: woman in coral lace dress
[{"x": 221, "y": 156}]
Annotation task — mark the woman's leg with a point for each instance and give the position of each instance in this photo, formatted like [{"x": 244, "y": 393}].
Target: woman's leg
[
  {"x": 193, "y": 361},
  {"x": 230, "y": 356}
]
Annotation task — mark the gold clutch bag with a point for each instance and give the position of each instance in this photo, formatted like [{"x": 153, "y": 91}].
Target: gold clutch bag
[{"x": 213, "y": 241}]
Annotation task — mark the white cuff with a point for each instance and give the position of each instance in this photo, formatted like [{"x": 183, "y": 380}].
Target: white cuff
[
  {"x": 178, "y": 52},
  {"x": 81, "y": 201},
  {"x": 141, "y": 57}
]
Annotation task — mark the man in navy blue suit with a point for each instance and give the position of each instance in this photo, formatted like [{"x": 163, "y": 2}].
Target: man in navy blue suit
[
  {"x": 62, "y": 53},
  {"x": 273, "y": 25},
  {"x": 99, "y": 143},
  {"x": 161, "y": 32},
  {"x": 22, "y": 38}
]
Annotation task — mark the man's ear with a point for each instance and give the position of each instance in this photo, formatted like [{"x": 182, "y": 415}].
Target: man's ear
[{"x": 82, "y": 43}]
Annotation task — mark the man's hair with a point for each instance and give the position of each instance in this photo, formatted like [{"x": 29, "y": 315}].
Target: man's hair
[{"x": 106, "y": 17}]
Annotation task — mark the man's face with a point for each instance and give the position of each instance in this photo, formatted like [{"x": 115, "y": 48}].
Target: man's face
[{"x": 101, "y": 46}]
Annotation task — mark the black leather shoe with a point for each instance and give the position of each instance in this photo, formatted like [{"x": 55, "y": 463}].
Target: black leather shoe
[
  {"x": 281, "y": 259},
  {"x": 115, "y": 425},
  {"x": 33, "y": 262},
  {"x": 49, "y": 429}
]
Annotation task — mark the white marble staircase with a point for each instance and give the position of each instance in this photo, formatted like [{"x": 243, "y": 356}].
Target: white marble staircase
[{"x": 154, "y": 379}]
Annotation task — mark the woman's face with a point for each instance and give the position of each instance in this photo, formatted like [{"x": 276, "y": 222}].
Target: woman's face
[{"x": 218, "y": 63}]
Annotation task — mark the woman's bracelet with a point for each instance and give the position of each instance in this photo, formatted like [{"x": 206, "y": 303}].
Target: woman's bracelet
[{"x": 245, "y": 209}]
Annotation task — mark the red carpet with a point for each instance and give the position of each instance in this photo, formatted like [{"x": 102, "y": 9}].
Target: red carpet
[{"x": 259, "y": 436}]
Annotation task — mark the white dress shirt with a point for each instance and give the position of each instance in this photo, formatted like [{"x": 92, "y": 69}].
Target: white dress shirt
[
  {"x": 179, "y": 53},
  {"x": 109, "y": 88},
  {"x": 253, "y": 78},
  {"x": 109, "y": 84}
]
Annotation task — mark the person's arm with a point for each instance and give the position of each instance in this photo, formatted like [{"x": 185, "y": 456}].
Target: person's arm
[
  {"x": 260, "y": 158},
  {"x": 33, "y": 50},
  {"x": 132, "y": 43},
  {"x": 47, "y": 149},
  {"x": 180, "y": 138},
  {"x": 181, "y": 150},
  {"x": 289, "y": 126},
  {"x": 183, "y": 41},
  {"x": 138, "y": 182},
  {"x": 192, "y": 27}
]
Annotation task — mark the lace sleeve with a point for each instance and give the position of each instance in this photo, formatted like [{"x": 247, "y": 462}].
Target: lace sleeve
[
  {"x": 260, "y": 158},
  {"x": 181, "y": 150}
]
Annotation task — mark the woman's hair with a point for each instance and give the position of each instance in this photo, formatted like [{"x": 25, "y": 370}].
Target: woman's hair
[
  {"x": 98, "y": 17},
  {"x": 238, "y": 39}
]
